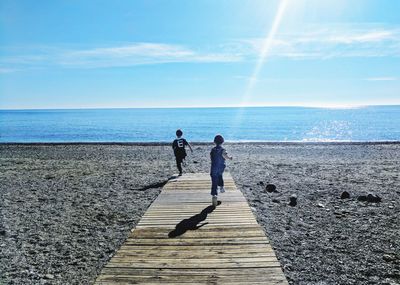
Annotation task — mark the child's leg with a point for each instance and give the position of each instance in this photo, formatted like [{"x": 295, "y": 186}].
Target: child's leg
[
  {"x": 220, "y": 180},
  {"x": 214, "y": 184},
  {"x": 179, "y": 163}
]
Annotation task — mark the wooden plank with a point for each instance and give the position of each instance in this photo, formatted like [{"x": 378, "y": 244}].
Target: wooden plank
[{"x": 168, "y": 246}]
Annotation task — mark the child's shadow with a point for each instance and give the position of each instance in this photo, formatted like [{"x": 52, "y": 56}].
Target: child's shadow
[{"x": 192, "y": 223}]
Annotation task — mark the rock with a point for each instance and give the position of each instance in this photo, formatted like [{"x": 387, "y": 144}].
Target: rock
[
  {"x": 373, "y": 198},
  {"x": 270, "y": 188},
  {"x": 287, "y": 267},
  {"x": 49, "y": 276},
  {"x": 293, "y": 200},
  {"x": 370, "y": 198},
  {"x": 345, "y": 195},
  {"x": 49, "y": 176},
  {"x": 319, "y": 205},
  {"x": 362, "y": 198},
  {"x": 275, "y": 201},
  {"x": 2, "y": 232},
  {"x": 260, "y": 183},
  {"x": 388, "y": 257},
  {"x": 195, "y": 161}
]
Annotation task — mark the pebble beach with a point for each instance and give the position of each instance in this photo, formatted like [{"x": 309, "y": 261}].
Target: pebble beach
[{"x": 66, "y": 208}]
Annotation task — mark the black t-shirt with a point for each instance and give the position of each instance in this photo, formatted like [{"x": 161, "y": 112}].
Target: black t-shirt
[{"x": 179, "y": 146}]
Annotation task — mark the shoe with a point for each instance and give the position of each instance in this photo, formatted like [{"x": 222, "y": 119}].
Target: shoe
[
  {"x": 214, "y": 200},
  {"x": 221, "y": 189},
  {"x": 180, "y": 174}
]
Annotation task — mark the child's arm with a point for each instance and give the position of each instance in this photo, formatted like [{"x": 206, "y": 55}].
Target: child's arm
[
  {"x": 190, "y": 147},
  {"x": 226, "y": 156}
]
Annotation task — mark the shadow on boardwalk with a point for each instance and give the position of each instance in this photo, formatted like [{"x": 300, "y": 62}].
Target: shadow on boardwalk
[{"x": 192, "y": 223}]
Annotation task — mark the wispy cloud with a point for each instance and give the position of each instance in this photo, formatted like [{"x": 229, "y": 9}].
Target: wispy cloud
[
  {"x": 117, "y": 56},
  {"x": 332, "y": 43},
  {"x": 382, "y": 79},
  {"x": 313, "y": 43},
  {"x": 7, "y": 70}
]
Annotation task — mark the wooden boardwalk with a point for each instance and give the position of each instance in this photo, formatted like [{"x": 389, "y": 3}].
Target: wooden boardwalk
[{"x": 182, "y": 239}]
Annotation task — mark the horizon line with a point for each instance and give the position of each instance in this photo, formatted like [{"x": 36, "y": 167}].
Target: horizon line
[
  {"x": 319, "y": 106},
  {"x": 327, "y": 106}
]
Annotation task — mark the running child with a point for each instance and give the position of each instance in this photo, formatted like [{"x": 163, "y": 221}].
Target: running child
[
  {"x": 178, "y": 146},
  {"x": 218, "y": 156}
]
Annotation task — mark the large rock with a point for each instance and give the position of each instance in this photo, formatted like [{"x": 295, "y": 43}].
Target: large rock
[
  {"x": 345, "y": 195},
  {"x": 293, "y": 200},
  {"x": 370, "y": 198},
  {"x": 373, "y": 198},
  {"x": 270, "y": 188}
]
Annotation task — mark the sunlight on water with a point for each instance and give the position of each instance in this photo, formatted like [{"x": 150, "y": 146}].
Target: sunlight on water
[{"x": 330, "y": 131}]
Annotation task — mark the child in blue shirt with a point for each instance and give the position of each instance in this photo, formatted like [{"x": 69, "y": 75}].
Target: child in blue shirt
[{"x": 218, "y": 156}]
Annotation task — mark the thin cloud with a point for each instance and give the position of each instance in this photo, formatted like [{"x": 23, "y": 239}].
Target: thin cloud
[
  {"x": 332, "y": 43},
  {"x": 7, "y": 70},
  {"x": 119, "y": 56},
  {"x": 381, "y": 79},
  {"x": 314, "y": 44}
]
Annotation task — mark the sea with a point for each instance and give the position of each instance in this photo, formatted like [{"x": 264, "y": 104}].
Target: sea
[{"x": 250, "y": 124}]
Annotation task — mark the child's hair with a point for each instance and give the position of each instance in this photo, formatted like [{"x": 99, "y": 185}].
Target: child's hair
[
  {"x": 179, "y": 133},
  {"x": 218, "y": 139}
]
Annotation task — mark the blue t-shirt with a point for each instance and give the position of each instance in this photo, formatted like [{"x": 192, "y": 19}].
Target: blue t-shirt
[{"x": 217, "y": 159}]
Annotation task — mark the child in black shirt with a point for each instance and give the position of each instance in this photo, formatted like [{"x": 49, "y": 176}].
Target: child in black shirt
[{"x": 179, "y": 145}]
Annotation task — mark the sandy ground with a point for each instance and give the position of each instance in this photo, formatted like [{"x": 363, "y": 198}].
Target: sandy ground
[{"x": 65, "y": 209}]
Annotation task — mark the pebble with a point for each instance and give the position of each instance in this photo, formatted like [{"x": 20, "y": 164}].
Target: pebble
[
  {"x": 49, "y": 276},
  {"x": 389, "y": 257}
]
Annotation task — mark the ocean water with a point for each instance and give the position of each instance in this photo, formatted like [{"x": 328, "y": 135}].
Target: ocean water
[{"x": 373, "y": 123}]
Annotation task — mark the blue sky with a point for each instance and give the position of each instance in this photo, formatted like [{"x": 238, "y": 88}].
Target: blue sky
[{"x": 91, "y": 54}]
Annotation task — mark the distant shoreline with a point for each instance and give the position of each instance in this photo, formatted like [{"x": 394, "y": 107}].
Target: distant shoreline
[{"x": 205, "y": 143}]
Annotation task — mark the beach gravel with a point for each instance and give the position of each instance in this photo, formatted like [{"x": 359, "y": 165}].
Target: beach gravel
[{"x": 65, "y": 209}]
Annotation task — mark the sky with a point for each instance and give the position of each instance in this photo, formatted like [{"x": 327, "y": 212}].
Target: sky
[{"x": 209, "y": 53}]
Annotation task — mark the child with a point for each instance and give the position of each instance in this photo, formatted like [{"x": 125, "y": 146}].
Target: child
[
  {"x": 179, "y": 149},
  {"x": 218, "y": 156}
]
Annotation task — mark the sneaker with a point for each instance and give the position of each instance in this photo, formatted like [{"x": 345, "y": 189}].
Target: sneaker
[
  {"x": 214, "y": 201},
  {"x": 180, "y": 174},
  {"x": 221, "y": 189}
]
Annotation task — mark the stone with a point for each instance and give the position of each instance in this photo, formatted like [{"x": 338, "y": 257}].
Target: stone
[
  {"x": 388, "y": 257},
  {"x": 319, "y": 205},
  {"x": 275, "y": 201},
  {"x": 373, "y": 198},
  {"x": 287, "y": 267},
  {"x": 293, "y": 200},
  {"x": 49, "y": 276},
  {"x": 345, "y": 195},
  {"x": 270, "y": 188},
  {"x": 362, "y": 198}
]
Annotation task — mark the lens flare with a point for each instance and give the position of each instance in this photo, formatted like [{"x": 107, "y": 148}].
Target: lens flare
[{"x": 266, "y": 47}]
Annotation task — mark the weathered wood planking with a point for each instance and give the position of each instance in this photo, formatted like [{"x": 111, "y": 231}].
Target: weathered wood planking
[{"x": 165, "y": 248}]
